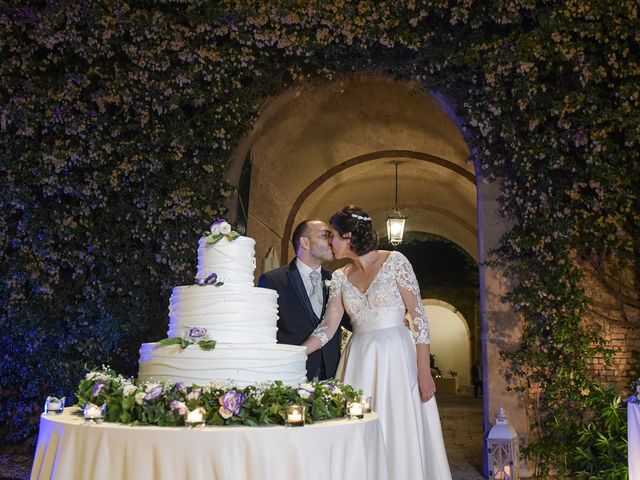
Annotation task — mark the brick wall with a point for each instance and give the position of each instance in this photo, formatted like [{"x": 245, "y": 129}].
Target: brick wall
[{"x": 622, "y": 332}]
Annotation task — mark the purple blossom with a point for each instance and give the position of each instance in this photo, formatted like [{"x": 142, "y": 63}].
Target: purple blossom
[
  {"x": 97, "y": 388},
  {"x": 230, "y": 402},
  {"x": 179, "y": 406},
  {"x": 27, "y": 14},
  {"x": 181, "y": 385},
  {"x": 58, "y": 115},
  {"x": 193, "y": 395},
  {"x": 153, "y": 394},
  {"x": 197, "y": 332}
]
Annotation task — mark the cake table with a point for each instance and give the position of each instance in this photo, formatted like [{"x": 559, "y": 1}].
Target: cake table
[{"x": 336, "y": 449}]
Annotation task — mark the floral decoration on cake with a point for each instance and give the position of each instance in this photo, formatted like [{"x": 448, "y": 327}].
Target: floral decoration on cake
[
  {"x": 221, "y": 403},
  {"x": 193, "y": 336},
  {"x": 220, "y": 229},
  {"x": 211, "y": 279}
]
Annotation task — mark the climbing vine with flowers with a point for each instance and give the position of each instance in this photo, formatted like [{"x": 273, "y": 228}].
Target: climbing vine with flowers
[{"x": 118, "y": 118}]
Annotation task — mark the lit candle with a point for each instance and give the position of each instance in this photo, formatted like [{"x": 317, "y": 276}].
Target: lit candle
[
  {"x": 92, "y": 412},
  {"x": 54, "y": 405},
  {"x": 195, "y": 416},
  {"x": 295, "y": 416},
  {"x": 355, "y": 409},
  {"x": 366, "y": 401}
]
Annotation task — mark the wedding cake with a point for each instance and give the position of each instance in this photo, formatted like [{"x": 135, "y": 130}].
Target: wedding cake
[{"x": 225, "y": 308}]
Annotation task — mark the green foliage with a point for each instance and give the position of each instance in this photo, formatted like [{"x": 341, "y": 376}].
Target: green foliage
[
  {"x": 167, "y": 404},
  {"x": 117, "y": 121},
  {"x": 184, "y": 343},
  {"x": 601, "y": 448}
]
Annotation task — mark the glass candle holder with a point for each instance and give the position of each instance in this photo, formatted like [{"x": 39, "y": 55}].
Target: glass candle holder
[
  {"x": 366, "y": 401},
  {"x": 54, "y": 406},
  {"x": 92, "y": 413},
  {"x": 355, "y": 410},
  {"x": 295, "y": 416},
  {"x": 195, "y": 418}
]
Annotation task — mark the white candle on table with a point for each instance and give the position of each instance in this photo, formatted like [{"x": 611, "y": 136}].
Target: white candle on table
[
  {"x": 355, "y": 409},
  {"x": 295, "y": 416},
  {"x": 194, "y": 416},
  {"x": 92, "y": 411}
]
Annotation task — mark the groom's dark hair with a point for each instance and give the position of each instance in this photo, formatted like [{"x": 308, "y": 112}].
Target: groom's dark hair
[{"x": 300, "y": 231}]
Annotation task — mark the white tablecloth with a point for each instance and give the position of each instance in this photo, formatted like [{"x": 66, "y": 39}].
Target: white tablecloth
[
  {"x": 633, "y": 436},
  {"x": 337, "y": 449}
]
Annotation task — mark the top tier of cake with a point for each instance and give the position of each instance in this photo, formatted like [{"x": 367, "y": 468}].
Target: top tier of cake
[{"x": 232, "y": 261}]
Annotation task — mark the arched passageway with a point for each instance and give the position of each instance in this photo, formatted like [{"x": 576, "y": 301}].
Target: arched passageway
[{"x": 318, "y": 147}]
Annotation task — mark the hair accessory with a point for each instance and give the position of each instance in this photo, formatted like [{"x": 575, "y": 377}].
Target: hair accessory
[{"x": 360, "y": 217}]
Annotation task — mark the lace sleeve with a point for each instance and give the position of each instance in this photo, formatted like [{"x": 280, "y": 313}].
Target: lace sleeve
[
  {"x": 410, "y": 292},
  {"x": 334, "y": 311}
]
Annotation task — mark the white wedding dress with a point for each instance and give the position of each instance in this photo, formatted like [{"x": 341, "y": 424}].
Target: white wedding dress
[{"x": 380, "y": 359}]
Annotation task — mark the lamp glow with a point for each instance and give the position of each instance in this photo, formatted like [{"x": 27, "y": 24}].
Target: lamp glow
[{"x": 396, "y": 221}]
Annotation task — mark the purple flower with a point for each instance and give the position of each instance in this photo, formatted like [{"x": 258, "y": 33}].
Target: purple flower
[
  {"x": 97, "y": 388},
  {"x": 197, "y": 332},
  {"x": 179, "y": 406},
  {"x": 193, "y": 395},
  {"x": 153, "y": 394},
  {"x": 181, "y": 385},
  {"x": 230, "y": 402},
  {"x": 27, "y": 14}
]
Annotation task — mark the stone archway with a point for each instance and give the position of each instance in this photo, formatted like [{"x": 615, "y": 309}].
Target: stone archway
[{"x": 318, "y": 147}]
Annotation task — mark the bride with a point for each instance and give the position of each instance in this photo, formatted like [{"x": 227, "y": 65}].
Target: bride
[{"x": 383, "y": 358}]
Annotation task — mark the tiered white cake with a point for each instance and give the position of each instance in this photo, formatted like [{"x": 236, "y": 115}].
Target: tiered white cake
[{"x": 241, "y": 318}]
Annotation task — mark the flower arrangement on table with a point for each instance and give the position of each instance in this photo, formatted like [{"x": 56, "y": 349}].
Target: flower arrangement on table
[{"x": 169, "y": 404}]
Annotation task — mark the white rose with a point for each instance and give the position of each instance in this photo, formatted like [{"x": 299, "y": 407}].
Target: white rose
[
  {"x": 307, "y": 386},
  {"x": 139, "y": 398},
  {"x": 303, "y": 393},
  {"x": 215, "y": 229},
  {"x": 225, "y": 228}
]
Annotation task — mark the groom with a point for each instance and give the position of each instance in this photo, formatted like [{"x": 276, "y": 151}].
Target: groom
[{"x": 303, "y": 295}]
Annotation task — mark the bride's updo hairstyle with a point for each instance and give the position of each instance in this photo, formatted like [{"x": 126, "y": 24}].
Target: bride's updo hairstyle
[{"x": 355, "y": 221}]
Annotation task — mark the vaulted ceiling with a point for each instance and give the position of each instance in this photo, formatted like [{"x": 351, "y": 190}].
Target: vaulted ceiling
[{"x": 319, "y": 147}]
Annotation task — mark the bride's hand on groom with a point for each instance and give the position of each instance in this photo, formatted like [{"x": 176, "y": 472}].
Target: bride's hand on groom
[{"x": 427, "y": 386}]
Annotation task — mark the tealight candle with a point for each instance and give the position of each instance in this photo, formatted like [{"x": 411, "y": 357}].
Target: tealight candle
[
  {"x": 355, "y": 410},
  {"x": 295, "y": 416},
  {"x": 366, "y": 402},
  {"x": 195, "y": 418},
  {"x": 54, "y": 405},
  {"x": 93, "y": 413}
]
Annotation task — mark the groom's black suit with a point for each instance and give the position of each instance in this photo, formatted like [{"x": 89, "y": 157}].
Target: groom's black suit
[{"x": 298, "y": 320}]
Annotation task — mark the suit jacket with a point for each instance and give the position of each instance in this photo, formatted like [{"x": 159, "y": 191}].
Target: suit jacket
[{"x": 297, "y": 319}]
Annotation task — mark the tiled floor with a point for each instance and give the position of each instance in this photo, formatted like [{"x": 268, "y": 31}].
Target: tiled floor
[{"x": 461, "y": 418}]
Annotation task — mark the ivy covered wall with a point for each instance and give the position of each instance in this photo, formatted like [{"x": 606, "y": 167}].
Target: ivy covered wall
[{"x": 117, "y": 120}]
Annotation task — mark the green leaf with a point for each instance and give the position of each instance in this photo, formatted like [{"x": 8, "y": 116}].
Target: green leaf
[
  {"x": 207, "y": 344},
  {"x": 170, "y": 341}
]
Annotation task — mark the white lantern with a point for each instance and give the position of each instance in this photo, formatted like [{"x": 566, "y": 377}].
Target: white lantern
[
  {"x": 504, "y": 456},
  {"x": 395, "y": 227},
  {"x": 395, "y": 221}
]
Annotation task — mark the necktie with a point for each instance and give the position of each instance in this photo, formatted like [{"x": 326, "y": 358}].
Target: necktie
[{"x": 315, "y": 295}]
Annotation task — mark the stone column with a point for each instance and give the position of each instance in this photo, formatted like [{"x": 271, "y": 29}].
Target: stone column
[{"x": 500, "y": 325}]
